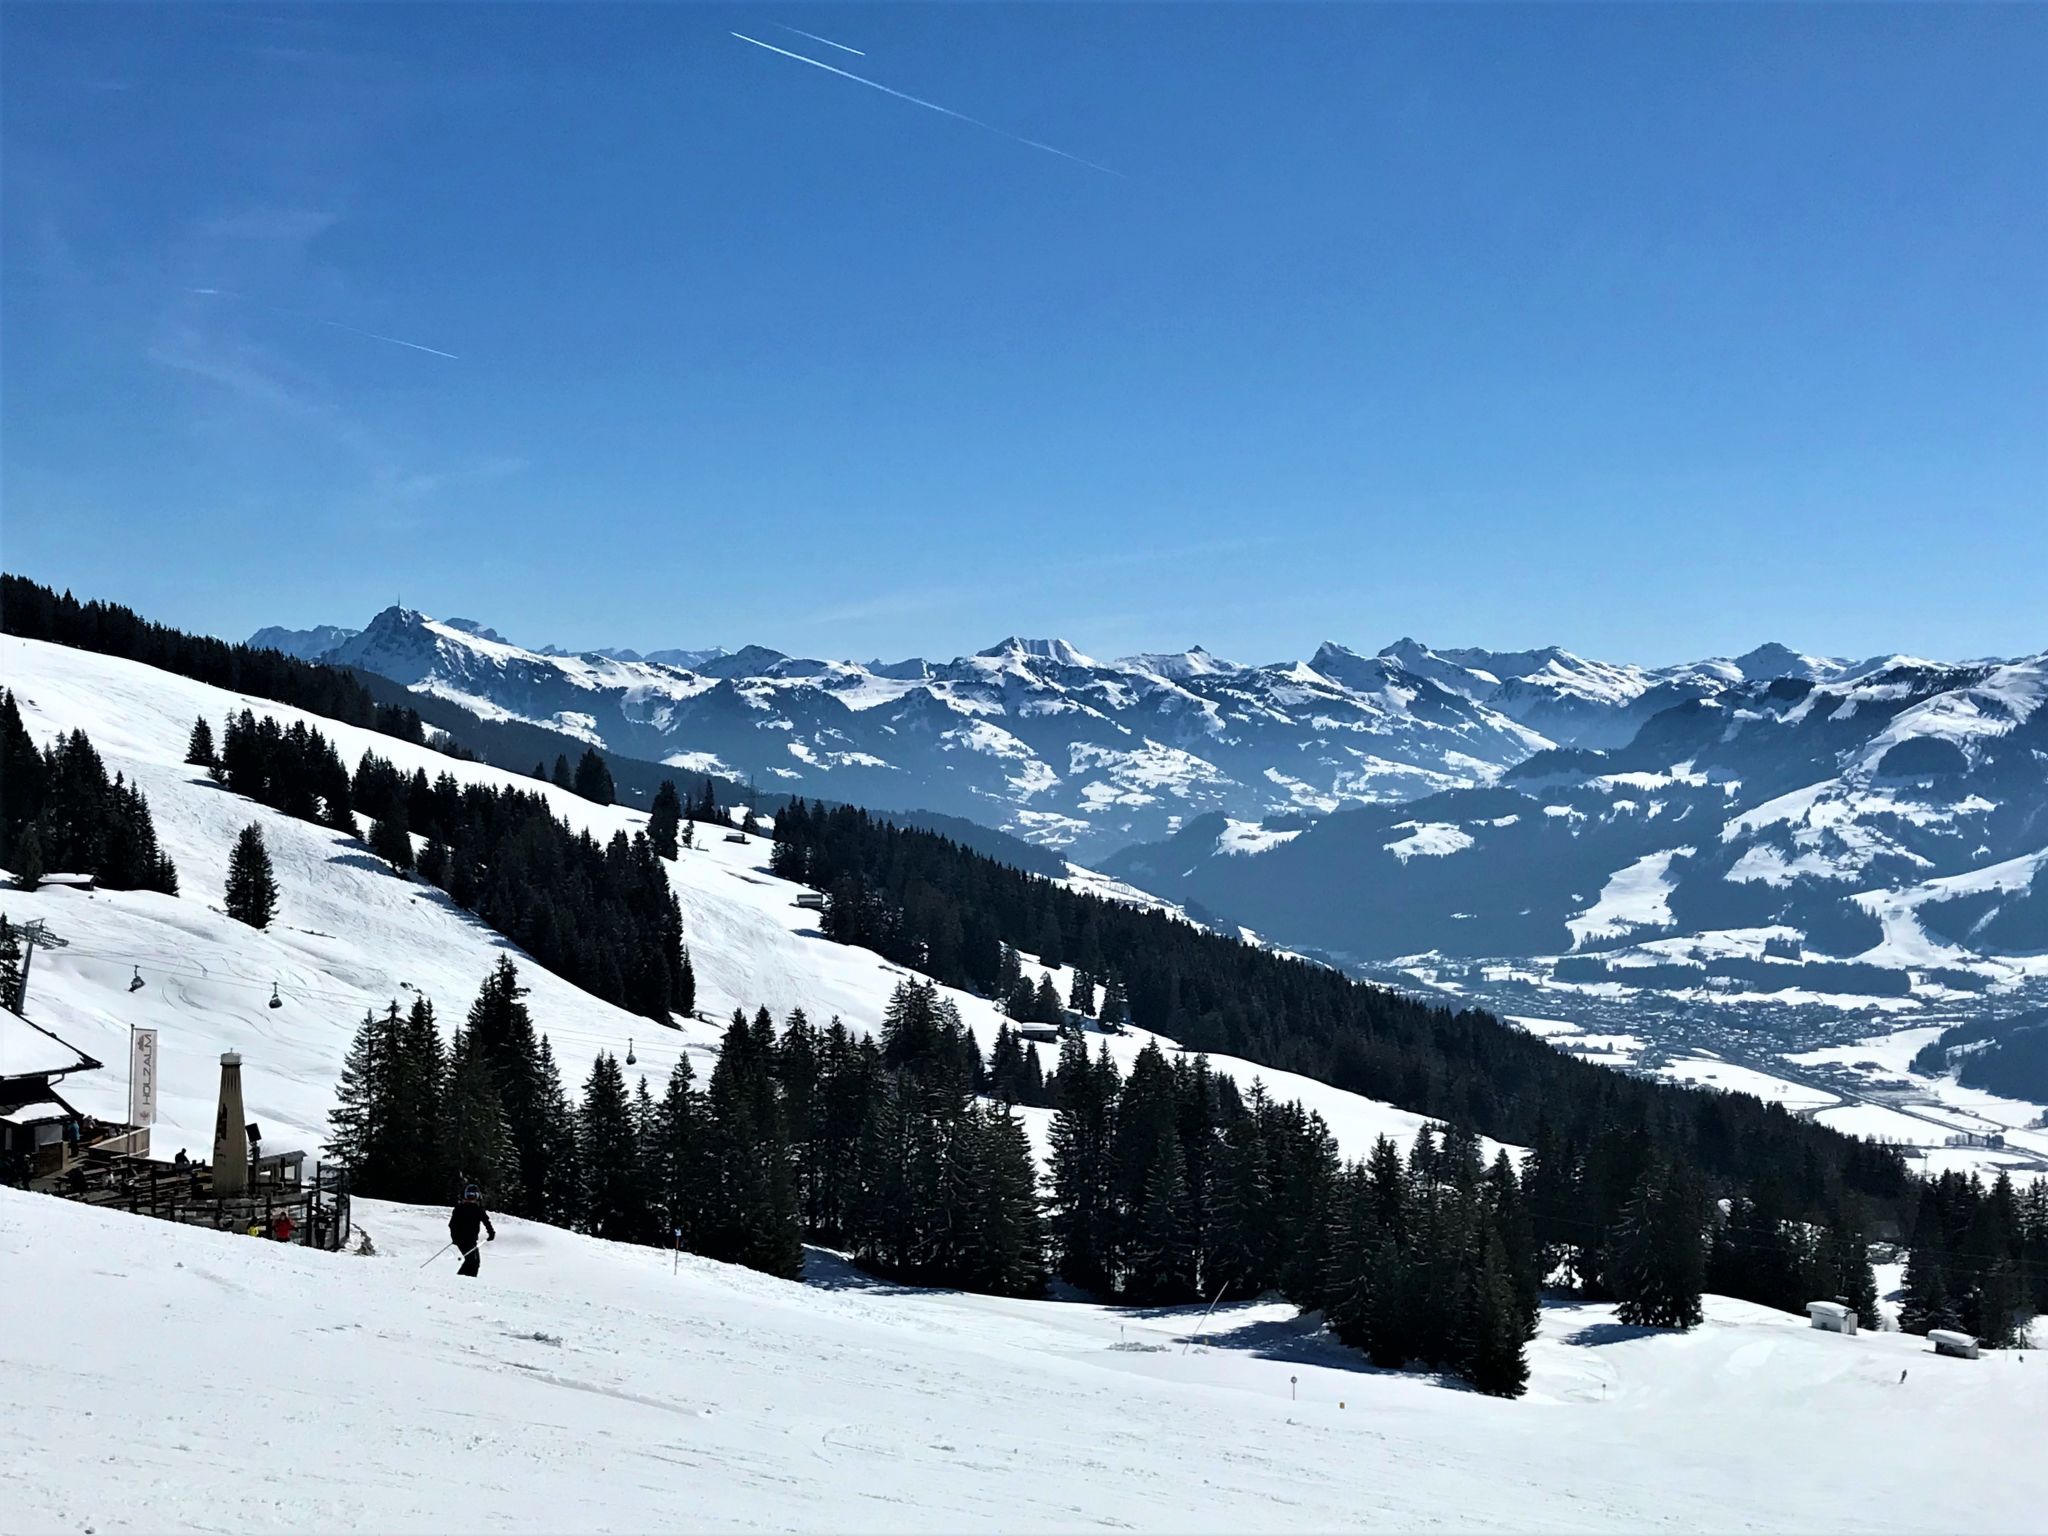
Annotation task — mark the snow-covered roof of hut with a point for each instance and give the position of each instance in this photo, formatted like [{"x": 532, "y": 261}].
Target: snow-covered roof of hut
[
  {"x": 1951, "y": 1337},
  {"x": 30, "y": 1114},
  {"x": 1826, "y": 1309},
  {"x": 29, "y": 1050}
]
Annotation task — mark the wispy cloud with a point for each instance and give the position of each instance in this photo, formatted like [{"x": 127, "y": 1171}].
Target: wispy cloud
[
  {"x": 298, "y": 314},
  {"x": 800, "y": 32},
  {"x": 929, "y": 106}
]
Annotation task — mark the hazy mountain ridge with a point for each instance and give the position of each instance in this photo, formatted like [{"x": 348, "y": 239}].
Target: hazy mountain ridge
[
  {"x": 1038, "y": 738},
  {"x": 1032, "y": 736},
  {"x": 1895, "y": 817}
]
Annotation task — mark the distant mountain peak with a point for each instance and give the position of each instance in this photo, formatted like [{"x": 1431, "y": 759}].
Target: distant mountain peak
[
  {"x": 1058, "y": 651},
  {"x": 481, "y": 631},
  {"x": 1773, "y": 660},
  {"x": 306, "y": 644},
  {"x": 1195, "y": 661}
]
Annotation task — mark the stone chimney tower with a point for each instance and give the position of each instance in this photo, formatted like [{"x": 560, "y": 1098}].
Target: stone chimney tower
[{"x": 230, "y": 1134}]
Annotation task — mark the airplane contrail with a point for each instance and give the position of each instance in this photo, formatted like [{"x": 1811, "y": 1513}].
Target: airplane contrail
[
  {"x": 800, "y": 32},
  {"x": 930, "y": 106},
  {"x": 299, "y": 314}
]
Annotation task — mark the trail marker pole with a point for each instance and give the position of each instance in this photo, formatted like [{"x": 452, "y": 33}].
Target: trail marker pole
[
  {"x": 1291, "y": 1393},
  {"x": 1205, "y": 1317},
  {"x": 675, "y": 1264}
]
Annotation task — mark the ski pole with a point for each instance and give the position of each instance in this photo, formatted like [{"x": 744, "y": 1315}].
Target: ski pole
[{"x": 437, "y": 1253}]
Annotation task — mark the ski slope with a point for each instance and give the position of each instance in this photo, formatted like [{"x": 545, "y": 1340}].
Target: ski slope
[
  {"x": 350, "y": 936},
  {"x": 216, "y": 1382}
]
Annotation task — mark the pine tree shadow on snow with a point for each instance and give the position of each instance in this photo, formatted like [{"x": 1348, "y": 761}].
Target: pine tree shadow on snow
[
  {"x": 828, "y": 1271},
  {"x": 427, "y": 891},
  {"x": 1594, "y": 1335},
  {"x": 1304, "y": 1341}
]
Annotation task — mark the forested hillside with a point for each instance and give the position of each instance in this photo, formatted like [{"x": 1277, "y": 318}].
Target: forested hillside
[{"x": 924, "y": 901}]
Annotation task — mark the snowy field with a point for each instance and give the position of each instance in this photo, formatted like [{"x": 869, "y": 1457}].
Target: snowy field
[
  {"x": 582, "y": 1386},
  {"x": 1705, "y": 1072},
  {"x": 351, "y": 936}
]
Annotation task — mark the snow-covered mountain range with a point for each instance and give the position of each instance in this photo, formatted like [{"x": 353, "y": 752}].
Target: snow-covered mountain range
[
  {"x": 1881, "y": 828},
  {"x": 1041, "y": 740}
]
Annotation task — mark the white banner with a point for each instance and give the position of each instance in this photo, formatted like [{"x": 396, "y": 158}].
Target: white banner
[{"x": 142, "y": 1077}]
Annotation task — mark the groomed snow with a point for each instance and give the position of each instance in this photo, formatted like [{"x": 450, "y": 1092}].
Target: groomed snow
[{"x": 214, "y": 1382}]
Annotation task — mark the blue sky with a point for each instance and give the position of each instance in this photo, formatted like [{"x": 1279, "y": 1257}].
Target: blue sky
[{"x": 1651, "y": 331}]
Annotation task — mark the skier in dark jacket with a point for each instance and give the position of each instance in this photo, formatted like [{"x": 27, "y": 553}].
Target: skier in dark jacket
[{"x": 464, "y": 1221}]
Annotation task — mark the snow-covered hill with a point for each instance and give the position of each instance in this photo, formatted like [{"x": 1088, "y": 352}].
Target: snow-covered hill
[
  {"x": 169, "y": 1379},
  {"x": 352, "y": 936}
]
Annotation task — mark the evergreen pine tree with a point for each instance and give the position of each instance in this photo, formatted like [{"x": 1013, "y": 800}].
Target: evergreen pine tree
[
  {"x": 28, "y": 857},
  {"x": 10, "y": 965},
  {"x": 504, "y": 1037},
  {"x": 1083, "y": 1126},
  {"x": 1045, "y": 1003},
  {"x": 1924, "y": 1300},
  {"x": 359, "y": 1126},
  {"x": 199, "y": 748},
  {"x": 421, "y": 1101},
  {"x": 391, "y": 838},
  {"x": 607, "y": 1148},
  {"x": 1241, "y": 1238},
  {"x": 750, "y": 1197},
  {"x": 673, "y": 1156},
  {"x": 594, "y": 779},
  {"x": 478, "y": 1142},
  {"x": 664, "y": 819},
  {"x": 437, "y": 864},
  {"x": 251, "y": 895},
  {"x": 561, "y": 778},
  {"x": 1161, "y": 1253},
  {"x": 555, "y": 1173},
  {"x": 1003, "y": 1231},
  {"x": 1659, "y": 1266},
  {"x": 1497, "y": 1364},
  {"x": 1081, "y": 995}
]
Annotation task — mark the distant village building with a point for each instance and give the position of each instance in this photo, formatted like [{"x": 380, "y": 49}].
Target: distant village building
[
  {"x": 1832, "y": 1316},
  {"x": 1947, "y": 1341},
  {"x": 1994, "y": 1140},
  {"x": 1037, "y": 1029},
  {"x": 811, "y": 901}
]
